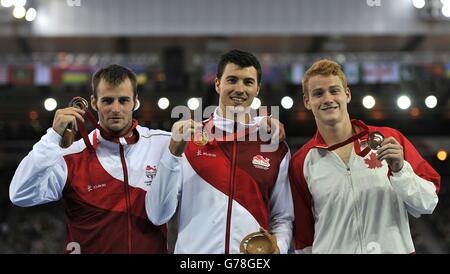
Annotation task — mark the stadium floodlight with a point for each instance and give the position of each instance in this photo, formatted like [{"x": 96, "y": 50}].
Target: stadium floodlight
[
  {"x": 7, "y": 3},
  {"x": 418, "y": 4},
  {"x": 19, "y": 3},
  {"x": 256, "y": 103},
  {"x": 442, "y": 155},
  {"x": 193, "y": 103},
  {"x": 431, "y": 101},
  {"x": 31, "y": 15},
  {"x": 50, "y": 104},
  {"x": 446, "y": 10},
  {"x": 163, "y": 103},
  {"x": 403, "y": 102},
  {"x": 287, "y": 102},
  {"x": 19, "y": 12},
  {"x": 368, "y": 102}
]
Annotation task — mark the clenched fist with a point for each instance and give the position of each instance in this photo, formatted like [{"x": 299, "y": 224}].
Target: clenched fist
[
  {"x": 65, "y": 117},
  {"x": 182, "y": 131}
]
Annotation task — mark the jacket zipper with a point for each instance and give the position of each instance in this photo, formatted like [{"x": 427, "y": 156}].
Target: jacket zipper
[
  {"x": 356, "y": 209},
  {"x": 127, "y": 196},
  {"x": 358, "y": 219},
  {"x": 231, "y": 195}
]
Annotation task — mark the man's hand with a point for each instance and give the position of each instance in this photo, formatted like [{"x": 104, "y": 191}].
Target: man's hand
[
  {"x": 392, "y": 152},
  {"x": 183, "y": 131},
  {"x": 272, "y": 238},
  {"x": 64, "y": 117},
  {"x": 274, "y": 127}
]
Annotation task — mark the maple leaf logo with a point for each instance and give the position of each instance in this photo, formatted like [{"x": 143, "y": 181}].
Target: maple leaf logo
[{"x": 372, "y": 161}]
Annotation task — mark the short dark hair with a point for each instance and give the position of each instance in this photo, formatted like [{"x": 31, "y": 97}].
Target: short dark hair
[
  {"x": 114, "y": 75},
  {"x": 240, "y": 58}
]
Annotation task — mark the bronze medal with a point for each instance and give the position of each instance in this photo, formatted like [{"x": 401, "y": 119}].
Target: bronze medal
[{"x": 374, "y": 140}]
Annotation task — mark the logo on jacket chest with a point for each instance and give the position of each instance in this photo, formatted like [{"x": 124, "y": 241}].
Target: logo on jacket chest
[
  {"x": 150, "y": 173},
  {"x": 95, "y": 187},
  {"x": 205, "y": 153},
  {"x": 372, "y": 161},
  {"x": 261, "y": 162}
]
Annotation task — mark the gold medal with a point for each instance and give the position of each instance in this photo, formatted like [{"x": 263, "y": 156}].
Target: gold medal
[
  {"x": 257, "y": 243},
  {"x": 200, "y": 138}
]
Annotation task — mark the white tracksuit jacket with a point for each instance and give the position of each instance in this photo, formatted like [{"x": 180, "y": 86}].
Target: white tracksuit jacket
[
  {"x": 361, "y": 206},
  {"x": 103, "y": 190},
  {"x": 222, "y": 192}
]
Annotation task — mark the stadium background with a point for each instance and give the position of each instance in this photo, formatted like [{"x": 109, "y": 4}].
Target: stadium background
[{"x": 387, "y": 48}]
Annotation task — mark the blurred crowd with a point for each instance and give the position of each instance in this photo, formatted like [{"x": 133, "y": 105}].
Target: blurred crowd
[
  {"x": 21, "y": 130},
  {"x": 29, "y": 230},
  {"x": 440, "y": 220}
]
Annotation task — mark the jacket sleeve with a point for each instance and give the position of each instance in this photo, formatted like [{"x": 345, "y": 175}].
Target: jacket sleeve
[
  {"x": 281, "y": 208},
  {"x": 41, "y": 175},
  {"x": 417, "y": 183},
  {"x": 304, "y": 218},
  {"x": 161, "y": 200}
]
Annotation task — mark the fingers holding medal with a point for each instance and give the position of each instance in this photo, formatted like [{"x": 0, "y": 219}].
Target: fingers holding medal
[{"x": 187, "y": 130}]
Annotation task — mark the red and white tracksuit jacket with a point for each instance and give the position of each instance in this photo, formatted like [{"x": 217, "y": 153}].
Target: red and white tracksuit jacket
[
  {"x": 103, "y": 191},
  {"x": 361, "y": 206},
  {"x": 222, "y": 192}
]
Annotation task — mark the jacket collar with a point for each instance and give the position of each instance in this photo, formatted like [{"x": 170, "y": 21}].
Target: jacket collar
[
  {"x": 227, "y": 125},
  {"x": 222, "y": 129},
  {"x": 102, "y": 135}
]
